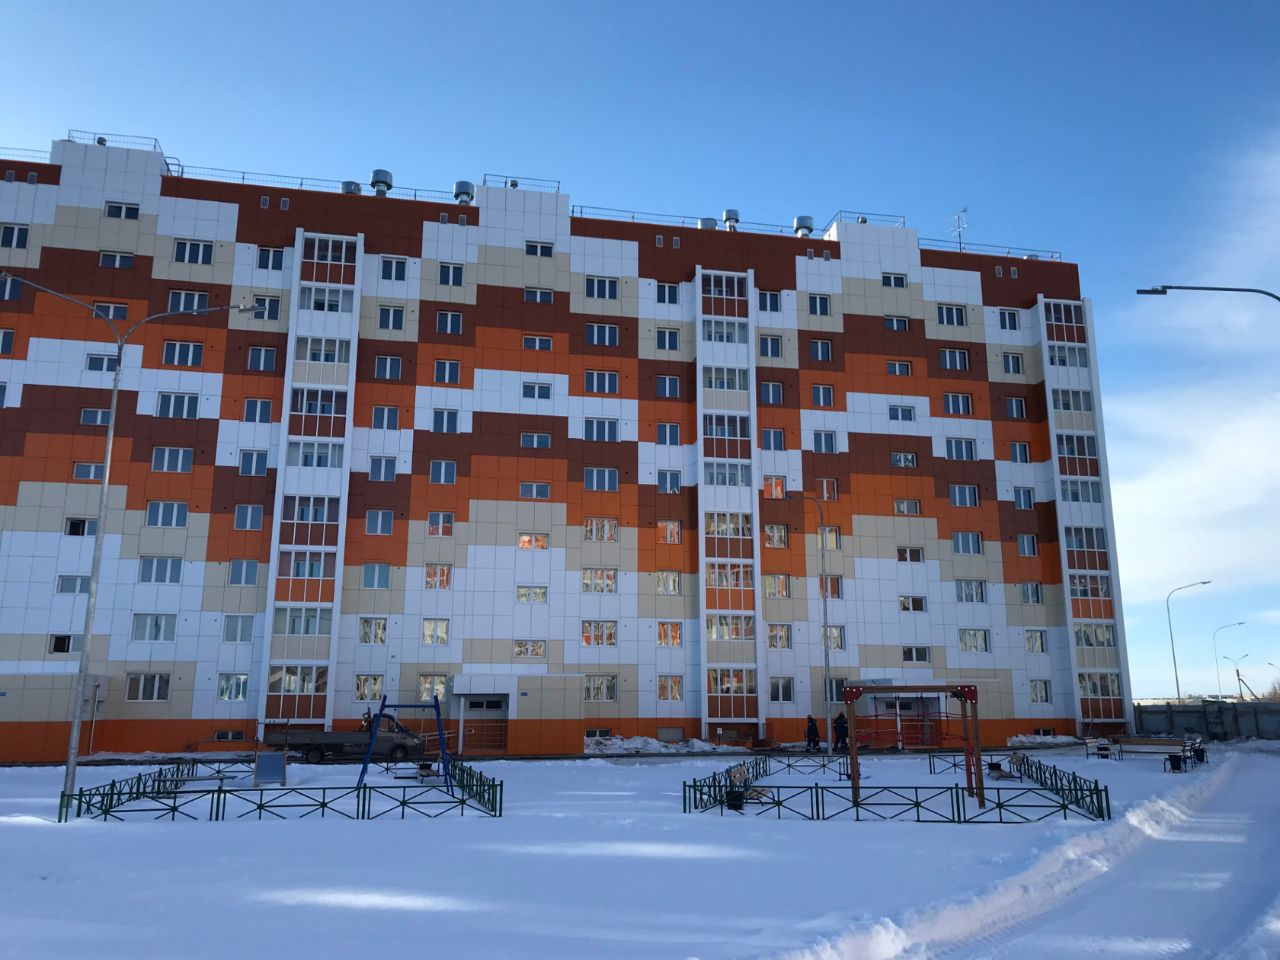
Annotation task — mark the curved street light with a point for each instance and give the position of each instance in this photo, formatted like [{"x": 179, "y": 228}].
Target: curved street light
[
  {"x": 121, "y": 338},
  {"x": 1164, "y": 288},
  {"x": 1169, "y": 615},
  {"x": 1235, "y": 662},
  {"x": 1216, "y": 669}
]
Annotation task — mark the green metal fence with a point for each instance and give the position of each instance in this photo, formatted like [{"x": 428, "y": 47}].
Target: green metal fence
[
  {"x": 484, "y": 792},
  {"x": 706, "y": 792},
  {"x": 1088, "y": 795}
]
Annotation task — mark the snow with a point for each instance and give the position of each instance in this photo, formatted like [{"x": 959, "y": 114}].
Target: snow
[
  {"x": 648, "y": 746},
  {"x": 1056, "y": 740},
  {"x": 594, "y": 858}
]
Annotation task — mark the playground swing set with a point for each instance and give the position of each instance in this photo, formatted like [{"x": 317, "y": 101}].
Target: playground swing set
[
  {"x": 374, "y": 722},
  {"x": 966, "y": 716}
]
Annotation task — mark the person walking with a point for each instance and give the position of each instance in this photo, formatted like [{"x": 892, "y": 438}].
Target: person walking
[
  {"x": 841, "y": 726},
  {"x": 812, "y": 741}
]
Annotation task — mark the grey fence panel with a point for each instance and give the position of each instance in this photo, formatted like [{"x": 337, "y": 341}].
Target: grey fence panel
[{"x": 1211, "y": 720}]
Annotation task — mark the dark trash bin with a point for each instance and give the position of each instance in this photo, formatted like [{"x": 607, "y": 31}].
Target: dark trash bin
[
  {"x": 735, "y": 799},
  {"x": 1201, "y": 755},
  {"x": 1173, "y": 763}
]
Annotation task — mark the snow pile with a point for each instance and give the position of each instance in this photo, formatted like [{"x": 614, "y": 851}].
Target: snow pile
[
  {"x": 1027, "y": 740},
  {"x": 1046, "y": 883},
  {"x": 646, "y": 745}
]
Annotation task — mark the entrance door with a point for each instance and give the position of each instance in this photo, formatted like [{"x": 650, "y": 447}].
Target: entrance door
[{"x": 484, "y": 724}]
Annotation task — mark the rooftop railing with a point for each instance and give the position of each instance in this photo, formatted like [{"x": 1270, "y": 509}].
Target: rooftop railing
[
  {"x": 21, "y": 153},
  {"x": 299, "y": 183},
  {"x": 508, "y": 181},
  {"x": 862, "y": 217},
  {"x": 1023, "y": 253}
]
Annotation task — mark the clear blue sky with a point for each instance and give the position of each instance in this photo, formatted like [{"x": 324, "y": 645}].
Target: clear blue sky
[{"x": 1141, "y": 139}]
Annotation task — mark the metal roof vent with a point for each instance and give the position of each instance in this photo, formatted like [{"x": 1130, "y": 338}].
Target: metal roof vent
[
  {"x": 381, "y": 182},
  {"x": 731, "y": 219},
  {"x": 350, "y": 187},
  {"x": 803, "y": 226},
  {"x": 862, "y": 219},
  {"x": 706, "y": 223},
  {"x": 101, "y": 141},
  {"x": 513, "y": 184},
  {"x": 464, "y": 191}
]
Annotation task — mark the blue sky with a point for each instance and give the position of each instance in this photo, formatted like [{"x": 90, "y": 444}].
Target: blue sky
[{"x": 1141, "y": 139}]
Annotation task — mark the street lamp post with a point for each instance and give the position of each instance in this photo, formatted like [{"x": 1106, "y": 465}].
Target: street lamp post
[
  {"x": 1169, "y": 615},
  {"x": 91, "y": 597},
  {"x": 1235, "y": 662},
  {"x": 822, "y": 589},
  {"x": 1216, "y": 669},
  {"x": 1164, "y": 288}
]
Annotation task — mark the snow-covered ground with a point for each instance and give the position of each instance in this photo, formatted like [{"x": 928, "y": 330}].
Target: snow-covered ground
[{"x": 594, "y": 858}]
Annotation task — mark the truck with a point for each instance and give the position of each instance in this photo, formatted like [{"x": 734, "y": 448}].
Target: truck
[{"x": 394, "y": 742}]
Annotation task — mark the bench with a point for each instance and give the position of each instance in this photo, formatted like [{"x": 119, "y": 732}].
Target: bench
[
  {"x": 1179, "y": 754},
  {"x": 1102, "y": 748},
  {"x": 741, "y": 791},
  {"x": 995, "y": 771}
]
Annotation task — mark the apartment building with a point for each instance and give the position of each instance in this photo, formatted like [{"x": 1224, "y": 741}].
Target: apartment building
[{"x": 573, "y": 471}]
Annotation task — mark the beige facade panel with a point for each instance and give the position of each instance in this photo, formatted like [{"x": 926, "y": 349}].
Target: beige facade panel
[
  {"x": 648, "y": 340},
  {"x": 299, "y": 648},
  {"x": 88, "y": 228},
  {"x": 790, "y": 359},
  {"x": 370, "y": 310},
  {"x": 356, "y": 598},
  {"x": 553, "y": 697},
  {"x": 872, "y": 298},
  {"x": 193, "y": 275},
  {"x": 627, "y": 304}
]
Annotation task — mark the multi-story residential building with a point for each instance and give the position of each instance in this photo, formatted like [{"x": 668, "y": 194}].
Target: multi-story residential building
[{"x": 570, "y": 470}]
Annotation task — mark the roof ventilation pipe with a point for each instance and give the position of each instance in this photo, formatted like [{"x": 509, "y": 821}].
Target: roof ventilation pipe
[
  {"x": 802, "y": 225},
  {"x": 464, "y": 191},
  {"x": 350, "y": 187},
  {"x": 706, "y": 223},
  {"x": 381, "y": 182},
  {"x": 731, "y": 219}
]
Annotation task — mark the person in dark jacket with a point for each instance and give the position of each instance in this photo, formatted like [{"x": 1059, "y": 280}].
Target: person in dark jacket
[
  {"x": 812, "y": 741},
  {"x": 841, "y": 726}
]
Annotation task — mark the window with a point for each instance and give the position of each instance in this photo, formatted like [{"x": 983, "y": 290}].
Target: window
[
  {"x": 600, "y": 478},
  {"x": 535, "y": 391},
  {"x": 599, "y": 430},
  {"x": 915, "y": 655},
  {"x": 599, "y": 580},
  {"x": 1082, "y": 491},
  {"x": 971, "y": 591},
  {"x": 957, "y": 404},
  {"x": 187, "y": 251},
  {"x": 80, "y": 527},
  {"x": 382, "y": 469},
  {"x": 378, "y": 522},
  {"x": 439, "y": 524},
  {"x": 955, "y": 359},
  {"x": 242, "y": 573},
  {"x": 602, "y": 334},
  {"x": 898, "y": 368},
  {"x": 824, "y": 441},
  {"x": 728, "y": 525},
  {"x": 166, "y": 513},
  {"x": 912, "y": 604},
  {"x": 391, "y": 318},
  {"x": 122, "y": 211},
  {"x": 257, "y": 411},
  {"x": 373, "y": 630},
  {"x": 439, "y": 576},
  {"x": 668, "y": 583},
  {"x": 431, "y": 686},
  {"x": 533, "y": 249},
  {"x": 181, "y": 406},
  {"x": 602, "y": 288},
  {"x": 964, "y": 494},
  {"x": 233, "y": 686},
  {"x": 87, "y": 471},
  {"x": 730, "y": 626},
  {"x": 187, "y": 301},
  {"x": 1024, "y": 498},
  {"x": 10, "y": 288},
  {"x": 1035, "y": 640},
  {"x": 772, "y": 438},
  {"x": 1088, "y": 586},
  {"x": 669, "y": 633},
  {"x": 1071, "y": 314},
  {"x": 781, "y": 689},
  {"x": 770, "y": 393},
  {"x": 897, "y": 324},
  {"x": 1061, "y": 356},
  {"x": 599, "y": 688},
  {"x": 248, "y": 516},
  {"x": 599, "y": 633},
  {"x": 1077, "y": 400},
  {"x": 669, "y": 531},
  {"x": 959, "y": 448},
  {"x": 823, "y": 395},
  {"x": 775, "y": 487},
  {"x": 146, "y": 687},
  {"x": 602, "y": 381},
  {"x": 261, "y": 359},
  {"x": 668, "y": 293},
  {"x": 96, "y": 362},
  {"x": 1077, "y": 445},
  {"x": 600, "y": 530},
  {"x": 1031, "y": 592},
  {"x": 303, "y": 621},
  {"x": 669, "y": 434},
  {"x": 1095, "y": 635},
  {"x": 1012, "y": 363},
  {"x": 820, "y": 350},
  {"x": 1019, "y": 452},
  {"x": 911, "y": 555},
  {"x": 270, "y": 258},
  {"x": 906, "y": 508},
  {"x": 779, "y": 636},
  {"x": 726, "y": 473},
  {"x": 670, "y": 686},
  {"x": 1085, "y": 538},
  {"x": 171, "y": 459},
  {"x": 775, "y": 585},
  {"x": 1009, "y": 320},
  {"x": 901, "y": 413},
  {"x": 535, "y": 441},
  {"x": 324, "y": 350},
  {"x": 902, "y": 459},
  {"x": 528, "y": 649},
  {"x": 967, "y": 544},
  {"x": 253, "y": 463},
  {"x": 435, "y": 632},
  {"x": 819, "y": 305},
  {"x": 724, "y": 331},
  {"x": 160, "y": 570},
  {"x": 726, "y": 378},
  {"x": 834, "y": 636},
  {"x": 896, "y": 280},
  {"x": 668, "y": 387},
  {"x": 1040, "y": 692},
  {"x": 386, "y": 368},
  {"x": 974, "y": 640},
  {"x": 73, "y": 584},
  {"x": 1015, "y": 408},
  {"x": 951, "y": 315},
  {"x": 537, "y": 295},
  {"x": 451, "y": 274},
  {"x": 448, "y": 322},
  {"x": 770, "y": 346},
  {"x": 668, "y": 339},
  {"x": 444, "y": 421},
  {"x": 1099, "y": 684},
  {"x": 95, "y": 417},
  {"x": 313, "y": 453},
  {"x": 115, "y": 260},
  {"x": 393, "y": 268},
  {"x": 368, "y": 686},
  {"x": 535, "y": 491},
  {"x": 237, "y": 628},
  {"x": 386, "y": 418},
  {"x": 444, "y": 471},
  {"x": 1028, "y": 545},
  {"x": 111, "y": 311},
  {"x": 155, "y": 627},
  {"x": 726, "y": 425}
]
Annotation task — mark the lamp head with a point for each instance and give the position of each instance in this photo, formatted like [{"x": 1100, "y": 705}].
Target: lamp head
[{"x": 1153, "y": 292}]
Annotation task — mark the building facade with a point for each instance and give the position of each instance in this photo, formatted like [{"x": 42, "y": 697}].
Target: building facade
[{"x": 574, "y": 471}]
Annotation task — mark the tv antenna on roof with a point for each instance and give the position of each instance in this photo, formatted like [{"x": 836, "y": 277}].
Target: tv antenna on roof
[{"x": 959, "y": 224}]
